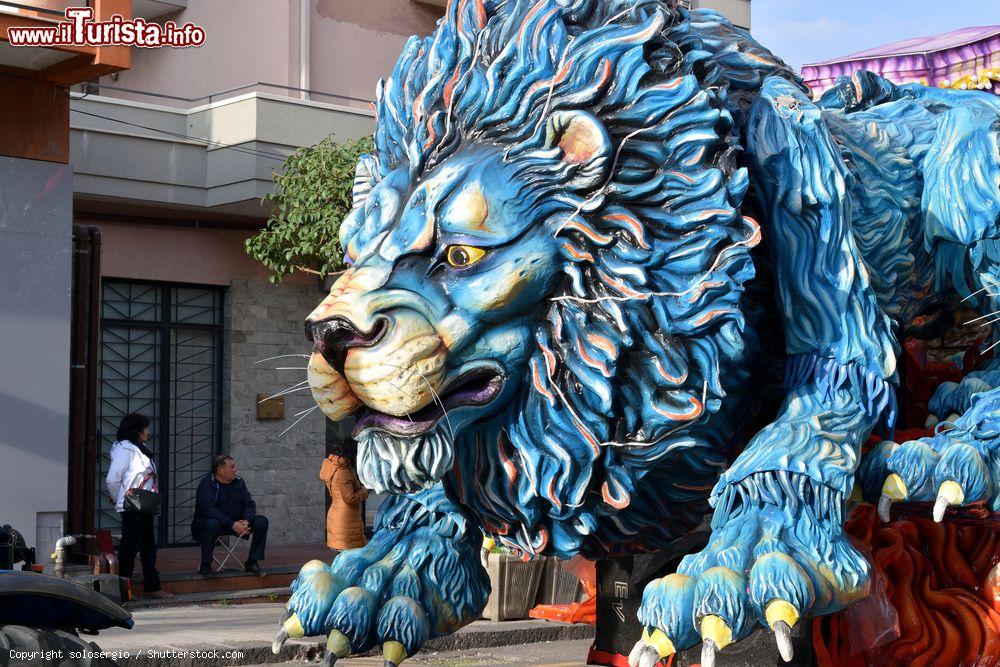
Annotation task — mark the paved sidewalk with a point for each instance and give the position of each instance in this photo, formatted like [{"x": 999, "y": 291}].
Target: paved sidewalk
[
  {"x": 204, "y": 635},
  {"x": 570, "y": 653}
]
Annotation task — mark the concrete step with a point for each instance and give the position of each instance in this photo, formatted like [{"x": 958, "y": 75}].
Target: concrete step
[
  {"x": 228, "y": 580},
  {"x": 247, "y": 596}
]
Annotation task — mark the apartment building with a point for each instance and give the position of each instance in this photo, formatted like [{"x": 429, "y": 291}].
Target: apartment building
[
  {"x": 36, "y": 253},
  {"x": 171, "y": 161}
]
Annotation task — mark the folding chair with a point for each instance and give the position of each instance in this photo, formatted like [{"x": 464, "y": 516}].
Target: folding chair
[{"x": 230, "y": 544}]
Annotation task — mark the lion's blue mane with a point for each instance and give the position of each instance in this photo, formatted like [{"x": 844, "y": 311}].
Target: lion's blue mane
[{"x": 617, "y": 427}]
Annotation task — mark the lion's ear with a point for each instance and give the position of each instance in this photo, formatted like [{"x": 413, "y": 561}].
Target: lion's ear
[
  {"x": 364, "y": 179},
  {"x": 583, "y": 143}
]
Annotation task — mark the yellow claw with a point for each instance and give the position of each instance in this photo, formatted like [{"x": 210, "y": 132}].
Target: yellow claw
[
  {"x": 949, "y": 493},
  {"x": 781, "y": 617},
  {"x": 952, "y": 491},
  {"x": 394, "y": 652},
  {"x": 659, "y": 641},
  {"x": 314, "y": 564},
  {"x": 718, "y": 631},
  {"x": 279, "y": 640},
  {"x": 338, "y": 644},
  {"x": 895, "y": 488},
  {"x": 489, "y": 543},
  {"x": 293, "y": 626},
  {"x": 779, "y": 610}
]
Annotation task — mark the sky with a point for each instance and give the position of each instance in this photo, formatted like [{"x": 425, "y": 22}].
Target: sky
[{"x": 807, "y": 31}]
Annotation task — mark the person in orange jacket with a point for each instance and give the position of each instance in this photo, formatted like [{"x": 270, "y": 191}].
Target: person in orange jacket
[{"x": 345, "y": 527}]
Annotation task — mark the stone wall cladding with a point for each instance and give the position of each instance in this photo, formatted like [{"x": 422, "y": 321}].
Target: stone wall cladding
[{"x": 265, "y": 320}]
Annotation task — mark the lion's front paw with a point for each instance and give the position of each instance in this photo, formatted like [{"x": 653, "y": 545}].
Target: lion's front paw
[
  {"x": 395, "y": 593},
  {"x": 958, "y": 466},
  {"x": 777, "y": 554},
  {"x": 951, "y": 398}
]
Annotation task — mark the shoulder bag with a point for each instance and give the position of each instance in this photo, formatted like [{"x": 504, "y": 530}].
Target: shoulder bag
[{"x": 143, "y": 500}]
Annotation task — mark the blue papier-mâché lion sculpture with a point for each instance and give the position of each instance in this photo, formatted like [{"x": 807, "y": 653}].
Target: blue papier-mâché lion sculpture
[{"x": 593, "y": 238}]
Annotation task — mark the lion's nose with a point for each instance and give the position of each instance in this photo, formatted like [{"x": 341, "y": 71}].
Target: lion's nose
[{"x": 336, "y": 336}]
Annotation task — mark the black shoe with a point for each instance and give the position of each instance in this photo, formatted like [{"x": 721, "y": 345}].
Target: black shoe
[
  {"x": 206, "y": 570},
  {"x": 158, "y": 595},
  {"x": 252, "y": 567}
]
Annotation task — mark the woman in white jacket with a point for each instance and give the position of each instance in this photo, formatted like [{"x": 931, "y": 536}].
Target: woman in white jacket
[{"x": 132, "y": 467}]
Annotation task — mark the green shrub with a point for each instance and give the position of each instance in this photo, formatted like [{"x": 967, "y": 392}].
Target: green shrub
[{"x": 312, "y": 195}]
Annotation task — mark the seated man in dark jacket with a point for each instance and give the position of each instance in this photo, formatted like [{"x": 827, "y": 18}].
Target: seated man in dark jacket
[{"x": 224, "y": 507}]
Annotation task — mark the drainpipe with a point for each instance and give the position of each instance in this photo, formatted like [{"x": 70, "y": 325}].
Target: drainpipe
[
  {"x": 59, "y": 556},
  {"x": 304, "y": 48}
]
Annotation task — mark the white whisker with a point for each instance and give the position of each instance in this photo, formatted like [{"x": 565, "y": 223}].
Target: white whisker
[
  {"x": 315, "y": 407},
  {"x": 291, "y": 390},
  {"x": 451, "y": 429},
  {"x": 611, "y": 176},
  {"x": 552, "y": 87},
  {"x": 978, "y": 291},
  {"x": 400, "y": 388},
  {"x": 555, "y": 75},
  {"x": 979, "y": 319},
  {"x": 305, "y": 411},
  {"x": 465, "y": 75},
  {"x": 282, "y": 356},
  {"x": 569, "y": 408},
  {"x": 682, "y": 425},
  {"x": 647, "y": 295},
  {"x": 990, "y": 347},
  {"x": 434, "y": 394}
]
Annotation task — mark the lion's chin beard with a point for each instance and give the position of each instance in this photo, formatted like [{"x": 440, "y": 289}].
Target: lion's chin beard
[{"x": 396, "y": 464}]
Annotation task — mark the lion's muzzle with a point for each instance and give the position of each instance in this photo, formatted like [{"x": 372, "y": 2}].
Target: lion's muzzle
[
  {"x": 333, "y": 338},
  {"x": 390, "y": 359},
  {"x": 402, "y": 372}
]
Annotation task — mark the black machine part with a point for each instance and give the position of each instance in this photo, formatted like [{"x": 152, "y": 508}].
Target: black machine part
[
  {"x": 13, "y": 549},
  {"x": 112, "y": 586},
  {"x": 33, "y": 599}
]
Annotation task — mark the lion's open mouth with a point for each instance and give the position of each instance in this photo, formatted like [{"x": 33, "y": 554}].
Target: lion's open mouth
[{"x": 476, "y": 387}]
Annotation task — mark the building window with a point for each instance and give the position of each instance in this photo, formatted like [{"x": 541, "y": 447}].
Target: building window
[{"x": 161, "y": 355}]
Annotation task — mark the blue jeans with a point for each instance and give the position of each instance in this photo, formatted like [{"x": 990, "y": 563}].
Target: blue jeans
[{"x": 212, "y": 529}]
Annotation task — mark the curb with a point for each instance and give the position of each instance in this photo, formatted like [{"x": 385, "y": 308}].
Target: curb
[{"x": 550, "y": 632}]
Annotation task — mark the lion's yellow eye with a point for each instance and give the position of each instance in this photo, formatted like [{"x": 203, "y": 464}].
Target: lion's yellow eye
[{"x": 459, "y": 256}]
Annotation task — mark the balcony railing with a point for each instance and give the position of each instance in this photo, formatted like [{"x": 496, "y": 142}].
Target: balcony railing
[{"x": 120, "y": 92}]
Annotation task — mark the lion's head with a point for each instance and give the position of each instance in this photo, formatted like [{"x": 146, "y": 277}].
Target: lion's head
[{"x": 547, "y": 266}]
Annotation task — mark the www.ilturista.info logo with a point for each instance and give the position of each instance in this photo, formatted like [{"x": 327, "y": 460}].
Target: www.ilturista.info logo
[{"x": 79, "y": 29}]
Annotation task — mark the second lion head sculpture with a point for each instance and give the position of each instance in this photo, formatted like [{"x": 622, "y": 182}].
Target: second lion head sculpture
[{"x": 547, "y": 261}]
